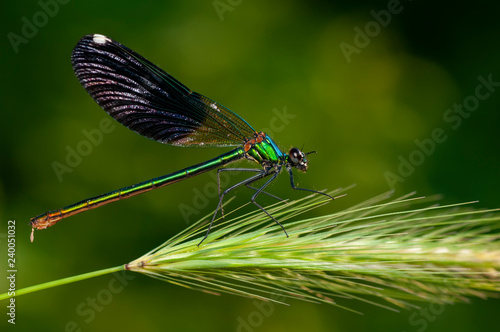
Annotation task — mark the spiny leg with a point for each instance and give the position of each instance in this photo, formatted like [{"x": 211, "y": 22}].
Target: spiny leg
[
  {"x": 266, "y": 193},
  {"x": 259, "y": 176},
  {"x": 247, "y": 185},
  {"x": 260, "y": 190},
  {"x": 304, "y": 189},
  {"x": 257, "y": 170}
]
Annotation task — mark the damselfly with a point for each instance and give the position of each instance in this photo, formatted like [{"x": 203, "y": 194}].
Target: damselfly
[{"x": 154, "y": 104}]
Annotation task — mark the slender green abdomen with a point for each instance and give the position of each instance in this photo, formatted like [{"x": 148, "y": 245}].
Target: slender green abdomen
[{"x": 50, "y": 218}]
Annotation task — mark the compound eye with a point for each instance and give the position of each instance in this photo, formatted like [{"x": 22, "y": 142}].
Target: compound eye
[{"x": 295, "y": 155}]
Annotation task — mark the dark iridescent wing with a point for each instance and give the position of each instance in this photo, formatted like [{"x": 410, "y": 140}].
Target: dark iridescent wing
[{"x": 147, "y": 100}]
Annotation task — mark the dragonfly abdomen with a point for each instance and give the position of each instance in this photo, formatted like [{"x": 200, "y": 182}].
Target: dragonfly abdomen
[{"x": 50, "y": 218}]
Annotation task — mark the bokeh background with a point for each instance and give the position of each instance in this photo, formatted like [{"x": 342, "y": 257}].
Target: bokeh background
[{"x": 361, "y": 112}]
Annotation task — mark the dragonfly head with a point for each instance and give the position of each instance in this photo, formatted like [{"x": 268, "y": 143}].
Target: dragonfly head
[{"x": 297, "y": 158}]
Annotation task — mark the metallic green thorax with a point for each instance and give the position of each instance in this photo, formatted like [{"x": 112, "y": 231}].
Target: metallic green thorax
[{"x": 266, "y": 151}]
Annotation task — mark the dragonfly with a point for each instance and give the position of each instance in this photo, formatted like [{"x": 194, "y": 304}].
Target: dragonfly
[{"x": 152, "y": 103}]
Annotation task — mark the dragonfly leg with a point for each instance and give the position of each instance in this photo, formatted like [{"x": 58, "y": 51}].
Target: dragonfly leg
[
  {"x": 304, "y": 189},
  {"x": 251, "y": 179},
  {"x": 266, "y": 193},
  {"x": 260, "y": 190},
  {"x": 247, "y": 185},
  {"x": 256, "y": 170}
]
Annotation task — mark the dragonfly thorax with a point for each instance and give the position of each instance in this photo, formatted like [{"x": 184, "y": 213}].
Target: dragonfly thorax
[{"x": 262, "y": 149}]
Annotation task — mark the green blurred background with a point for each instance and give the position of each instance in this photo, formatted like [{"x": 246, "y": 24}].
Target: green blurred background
[{"x": 361, "y": 113}]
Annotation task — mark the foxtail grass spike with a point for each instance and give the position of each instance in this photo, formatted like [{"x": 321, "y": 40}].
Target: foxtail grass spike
[{"x": 390, "y": 252}]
